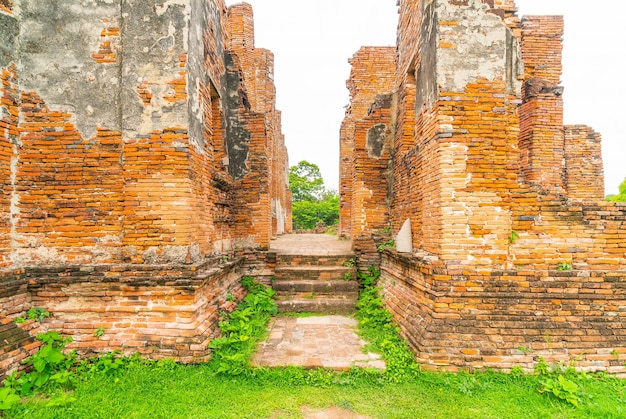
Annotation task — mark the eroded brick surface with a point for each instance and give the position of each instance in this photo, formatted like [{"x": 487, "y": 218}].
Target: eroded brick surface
[
  {"x": 142, "y": 165},
  {"x": 499, "y": 193}
]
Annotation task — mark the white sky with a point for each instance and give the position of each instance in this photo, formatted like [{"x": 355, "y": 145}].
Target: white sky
[{"x": 313, "y": 39}]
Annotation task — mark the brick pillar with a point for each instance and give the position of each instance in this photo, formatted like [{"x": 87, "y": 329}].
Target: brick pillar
[
  {"x": 240, "y": 25},
  {"x": 371, "y": 77},
  {"x": 542, "y": 140},
  {"x": 584, "y": 173}
]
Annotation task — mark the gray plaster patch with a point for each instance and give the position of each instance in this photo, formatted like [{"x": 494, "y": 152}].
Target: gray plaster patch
[
  {"x": 480, "y": 45},
  {"x": 376, "y": 138}
]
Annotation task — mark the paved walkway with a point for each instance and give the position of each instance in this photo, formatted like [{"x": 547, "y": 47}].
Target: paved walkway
[
  {"x": 317, "y": 341},
  {"x": 311, "y": 244},
  {"x": 312, "y": 342}
]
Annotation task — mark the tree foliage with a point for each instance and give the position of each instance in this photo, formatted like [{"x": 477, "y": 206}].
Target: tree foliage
[
  {"x": 312, "y": 203},
  {"x": 306, "y": 182},
  {"x": 621, "y": 197}
]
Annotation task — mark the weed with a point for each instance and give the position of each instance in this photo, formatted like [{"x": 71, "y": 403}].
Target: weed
[
  {"x": 50, "y": 367},
  {"x": 20, "y": 320},
  {"x": 99, "y": 332},
  {"x": 513, "y": 236},
  {"x": 566, "y": 265},
  {"x": 517, "y": 371},
  {"x": 370, "y": 277},
  {"x": 562, "y": 388},
  {"x": 242, "y": 328},
  {"x": 347, "y": 276},
  {"x": 524, "y": 350},
  {"x": 389, "y": 244},
  {"x": 8, "y": 398},
  {"x": 377, "y": 326},
  {"x": 230, "y": 297},
  {"x": 349, "y": 263}
]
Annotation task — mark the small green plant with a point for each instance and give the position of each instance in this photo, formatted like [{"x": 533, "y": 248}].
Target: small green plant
[
  {"x": 376, "y": 326},
  {"x": 8, "y": 398},
  {"x": 50, "y": 367},
  {"x": 566, "y": 265},
  {"x": 562, "y": 388},
  {"x": 347, "y": 276},
  {"x": 350, "y": 263},
  {"x": 242, "y": 328},
  {"x": 99, "y": 332},
  {"x": 517, "y": 371},
  {"x": 524, "y": 349},
  {"x": 389, "y": 244},
  {"x": 38, "y": 314},
  {"x": 513, "y": 236},
  {"x": 230, "y": 297},
  {"x": 20, "y": 320}
]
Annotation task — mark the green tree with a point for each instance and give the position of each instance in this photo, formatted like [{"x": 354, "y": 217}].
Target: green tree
[
  {"x": 312, "y": 203},
  {"x": 621, "y": 197},
  {"x": 306, "y": 182}
]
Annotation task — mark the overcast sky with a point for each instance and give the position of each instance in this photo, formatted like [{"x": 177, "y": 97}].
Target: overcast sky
[{"x": 313, "y": 39}]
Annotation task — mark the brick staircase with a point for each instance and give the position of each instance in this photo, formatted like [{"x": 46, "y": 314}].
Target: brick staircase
[{"x": 318, "y": 284}]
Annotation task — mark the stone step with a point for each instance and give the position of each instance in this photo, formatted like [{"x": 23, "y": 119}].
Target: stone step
[
  {"x": 314, "y": 260},
  {"x": 291, "y": 287},
  {"x": 317, "y": 273},
  {"x": 317, "y": 305}
]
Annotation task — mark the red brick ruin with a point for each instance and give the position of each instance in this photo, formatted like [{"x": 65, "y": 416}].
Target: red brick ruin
[
  {"x": 143, "y": 172},
  {"x": 454, "y": 143}
]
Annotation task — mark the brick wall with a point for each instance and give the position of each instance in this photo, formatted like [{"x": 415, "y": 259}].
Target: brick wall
[
  {"x": 8, "y": 135},
  {"x": 365, "y": 142},
  {"x": 120, "y": 195},
  {"x": 584, "y": 177},
  {"x": 500, "y": 319},
  {"x": 499, "y": 194}
]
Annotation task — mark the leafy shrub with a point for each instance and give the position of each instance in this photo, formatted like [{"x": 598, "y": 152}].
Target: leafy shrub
[
  {"x": 242, "y": 328},
  {"x": 50, "y": 367},
  {"x": 377, "y": 326}
]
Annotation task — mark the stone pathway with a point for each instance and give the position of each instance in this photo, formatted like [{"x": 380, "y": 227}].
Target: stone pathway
[
  {"x": 327, "y": 341},
  {"x": 312, "y": 342}
]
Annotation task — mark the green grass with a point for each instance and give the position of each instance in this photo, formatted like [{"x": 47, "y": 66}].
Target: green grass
[
  {"x": 194, "y": 391},
  {"x": 228, "y": 388}
]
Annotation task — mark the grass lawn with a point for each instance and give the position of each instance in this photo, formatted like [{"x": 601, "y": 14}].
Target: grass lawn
[{"x": 194, "y": 391}]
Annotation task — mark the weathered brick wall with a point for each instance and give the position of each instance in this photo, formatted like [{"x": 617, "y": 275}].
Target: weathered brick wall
[
  {"x": 371, "y": 156},
  {"x": 499, "y": 194},
  {"x": 128, "y": 172},
  {"x": 472, "y": 319},
  {"x": 9, "y": 102},
  {"x": 8, "y": 138},
  {"x": 365, "y": 142},
  {"x": 156, "y": 310},
  {"x": 584, "y": 174}
]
